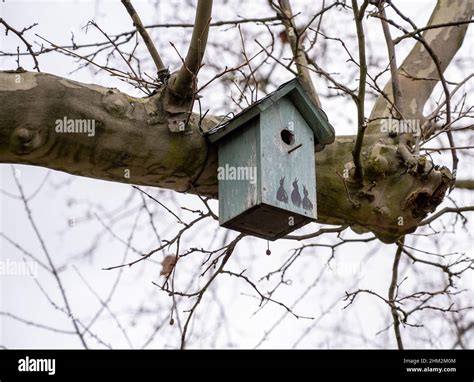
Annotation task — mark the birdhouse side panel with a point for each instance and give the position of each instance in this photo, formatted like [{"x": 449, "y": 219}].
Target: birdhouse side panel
[
  {"x": 237, "y": 172},
  {"x": 288, "y": 160}
]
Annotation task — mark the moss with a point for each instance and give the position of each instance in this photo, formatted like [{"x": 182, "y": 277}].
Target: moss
[{"x": 181, "y": 155}]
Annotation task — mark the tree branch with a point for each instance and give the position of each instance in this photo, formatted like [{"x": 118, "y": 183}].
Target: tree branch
[
  {"x": 131, "y": 143},
  {"x": 457, "y": 210},
  {"x": 361, "y": 125},
  {"x": 294, "y": 39},
  {"x": 29, "y": 47},
  {"x": 392, "y": 60},
  {"x": 418, "y": 74},
  {"x": 160, "y": 66},
  {"x": 467, "y": 184},
  {"x": 182, "y": 85},
  {"x": 51, "y": 264},
  {"x": 392, "y": 294}
]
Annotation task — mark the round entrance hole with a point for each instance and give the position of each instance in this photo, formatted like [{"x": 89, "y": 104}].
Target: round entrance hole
[{"x": 287, "y": 136}]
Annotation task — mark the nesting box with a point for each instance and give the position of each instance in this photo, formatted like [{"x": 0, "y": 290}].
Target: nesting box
[{"x": 266, "y": 173}]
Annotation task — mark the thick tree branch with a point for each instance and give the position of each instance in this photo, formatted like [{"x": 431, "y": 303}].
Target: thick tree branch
[
  {"x": 418, "y": 74},
  {"x": 131, "y": 143},
  {"x": 182, "y": 85}
]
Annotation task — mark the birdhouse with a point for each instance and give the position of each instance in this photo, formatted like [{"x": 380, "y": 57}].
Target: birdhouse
[{"x": 266, "y": 172}]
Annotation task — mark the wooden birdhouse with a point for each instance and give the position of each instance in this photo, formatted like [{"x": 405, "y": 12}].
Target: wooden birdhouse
[{"x": 266, "y": 173}]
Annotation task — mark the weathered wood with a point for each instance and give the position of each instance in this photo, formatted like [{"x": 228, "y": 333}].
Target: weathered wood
[{"x": 267, "y": 182}]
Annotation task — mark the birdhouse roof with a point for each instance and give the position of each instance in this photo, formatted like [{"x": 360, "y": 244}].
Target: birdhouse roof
[{"x": 294, "y": 90}]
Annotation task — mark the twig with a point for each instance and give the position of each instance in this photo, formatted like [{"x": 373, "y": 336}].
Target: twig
[
  {"x": 294, "y": 37},
  {"x": 262, "y": 296},
  {"x": 354, "y": 203},
  {"x": 228, "y": 254},
  {"x": 319, "y": 232},
  {"x": 160, "y": 66},
  {"x": 36, "y": 324},
  {"x": 457, "y": 210},
  {"x": 392, "y": 294},
  {"x": 29, "y": 47},
  {"x": 392, "y": 59},
  {"x": 106, "y": 306},
  {"x": 442, "y": 25},
  {"x": 161, "y": 204},
  {"x": 50, "y": 261}
]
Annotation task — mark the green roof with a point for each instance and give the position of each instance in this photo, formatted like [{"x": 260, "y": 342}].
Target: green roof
[{"x": 294, "y": 90}]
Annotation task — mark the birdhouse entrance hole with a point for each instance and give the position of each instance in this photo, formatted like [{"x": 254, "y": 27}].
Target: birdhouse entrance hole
[{"x": 287, "y": 136}]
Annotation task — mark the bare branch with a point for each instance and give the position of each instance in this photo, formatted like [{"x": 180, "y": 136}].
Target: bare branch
[
  {"x": 442, "y": 25},
  {"x": 228, "y": 253},
  {"x": 50, "y": 262},
  {"x": 294, "y": 37},
  {"x": 361, "y": 124},
  {"x": 392, "y": 59},
  {"x": 392, "y": 294},
  {"x": 160, "y": 66},
  {"x": 183, "y": 84},
  {"x": 446, "y": 210},
  {"x": 29, "y": 47}
]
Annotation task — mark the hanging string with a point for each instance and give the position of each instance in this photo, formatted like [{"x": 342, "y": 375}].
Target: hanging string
[{"x": 268, "y": 252}]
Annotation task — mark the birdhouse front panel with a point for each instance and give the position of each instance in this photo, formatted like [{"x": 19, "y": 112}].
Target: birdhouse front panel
[{"x": 287, "y": 160}]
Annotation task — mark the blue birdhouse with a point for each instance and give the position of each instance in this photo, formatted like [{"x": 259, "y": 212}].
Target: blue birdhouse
[{"x": 267, "y": 171}]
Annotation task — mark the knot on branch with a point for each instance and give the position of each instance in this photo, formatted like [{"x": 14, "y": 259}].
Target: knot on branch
[
  {"x": 181, "y": 89},
  {"x": 25, "y": 139},
  {"x": 380, "y": 160},
  {"x": 117, "y": 104},
  {"x": 426, "y": 199},
  {"x": 398, "y": 190}
]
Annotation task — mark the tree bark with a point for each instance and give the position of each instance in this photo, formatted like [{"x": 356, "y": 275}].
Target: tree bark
[{"x": 132, "y": 144}]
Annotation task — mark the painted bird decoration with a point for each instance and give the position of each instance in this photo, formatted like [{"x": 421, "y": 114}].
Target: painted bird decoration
[{"x": 295, "y": 194}]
